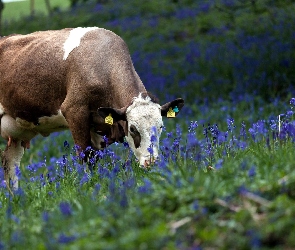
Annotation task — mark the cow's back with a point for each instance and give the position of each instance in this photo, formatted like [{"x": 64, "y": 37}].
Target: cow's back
[
  {"x": 32, "y": 74},
  {"x": 39, "y": 70}
]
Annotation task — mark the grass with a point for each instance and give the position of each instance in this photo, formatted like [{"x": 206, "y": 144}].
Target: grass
[
  {"x": 17, "y": 10},
  {"x": 225, "y": 176}
]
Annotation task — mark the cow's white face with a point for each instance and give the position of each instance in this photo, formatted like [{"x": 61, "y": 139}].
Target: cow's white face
[{"x": 144, "y": 124}]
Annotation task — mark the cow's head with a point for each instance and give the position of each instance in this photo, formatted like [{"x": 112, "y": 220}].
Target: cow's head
[{"x": 143, "y": 118}]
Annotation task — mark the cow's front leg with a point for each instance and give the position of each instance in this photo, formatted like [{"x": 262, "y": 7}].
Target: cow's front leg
[
  {"x": 78, "y": 119},
  {"x": 11, "y": 158}
]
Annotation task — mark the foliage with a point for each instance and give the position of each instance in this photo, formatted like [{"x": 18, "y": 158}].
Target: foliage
[
  {"x": 229, "y": 188},
  {"x": 178, "y": 45},
  {"x": 225, "y": 175}
]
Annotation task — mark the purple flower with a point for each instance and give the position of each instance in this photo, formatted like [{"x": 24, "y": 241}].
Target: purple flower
[
  {"x": 64, "y": 239},
  {"x": 150, "y": 149},
  {"x": 82, "y": 155},
  {"x": 154, "y": 133},
  {"x": 65, "y": 208},
  {"x": 84, "y": 179},
  {"x": 289, "y": 113},
  {"x": 252, "y": 171},
  {"x": 218, "y": 164},
  {"x": 242, "y": 190},
  {"x": 66, "y": 145},
  {"x": 222, "y": 137},
  {"x": 243, "y": 130},
  {"x": 192, "y": 141},
  {"x": 97, "y": 187},
  {"x": 18, "y": 172},
  {"x": 105, "y": 139},
  {"x": 192, "y": 127},
  {"x": 2, "y": 246},
  {"x": 45, "y": 216},
  {"x": 195, "y": 205},
  {"x": 230, "y": 124},
  {"x": 254, "y": 239},
  {"x": 125, "y": 144},
  {"x": 273, "y": 125},
  {"x": 146, "y": 188},
  {"x": 292, "y": 101}
]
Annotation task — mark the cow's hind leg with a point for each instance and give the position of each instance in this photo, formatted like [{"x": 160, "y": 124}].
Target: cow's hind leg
[{"x": 11, "y": 158}]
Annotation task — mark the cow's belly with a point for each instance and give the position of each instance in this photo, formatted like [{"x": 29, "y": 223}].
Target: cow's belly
[{"x": 23, "y": 130}]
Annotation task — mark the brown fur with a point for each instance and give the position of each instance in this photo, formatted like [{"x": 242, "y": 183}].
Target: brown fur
[{"x": 35, "y": 81}]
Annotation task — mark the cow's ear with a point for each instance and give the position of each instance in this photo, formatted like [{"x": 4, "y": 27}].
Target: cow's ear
[
  {"x": 172, "y": 109},
  {"x": 111, "y": 115}
]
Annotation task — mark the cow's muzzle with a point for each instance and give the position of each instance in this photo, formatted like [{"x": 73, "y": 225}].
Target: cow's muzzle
[{"x": 150, "y": 161}]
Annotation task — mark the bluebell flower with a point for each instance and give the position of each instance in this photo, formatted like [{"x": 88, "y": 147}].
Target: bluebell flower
[
  {"x": 15, "y": 219},
  {"x": 77, "y": 148},
  {"x": 3, "y": 184},
  {"x": 243, "y": 132},
  {"x": 82, "y": 155},
  {"x": 153, "y": 22},
  {"x": 289, "y": 113},
  {"x": 244, "y": 165},
  {"x": 218, "y": 164},
  {"x": 192, "y": 141},
  {"x": 154, "y": 134},
  {"x": 195, "y": 205},
  {"x": 45, "y": 216},
  {"x": 242, "y": 190},
  {"x": 222, "y": 137},
  {"x": 84, "y": 179},
  {"x": 2, "y": 246},
  {"x": 19, "y": 192},
  {"x": 192, "y": 127},
  {"x": 17, "y": 237},
  {"x": 97, "y": 187},
  {"x": 252, "y": 171},
  {"x": 98, "y": 7},
  {"x": 255, "y": 242},
  {"x": 115, "y": 170},
  {"x": 204, "y": 7},
  {"x": 123, "y": 199},
  {"x": 292, "y": 101},
  {"x": 230, "y": 124},
  {"x": 18, "y": 172},
  {"x": 273, "y": 125},
  {"x": 169, "y": 135},
  {"x": 65, "y": 208},
  {"x": 150, "y": 149},
  {"x": 162, "y": 164},
  {"x": 146, "y": 188},
  {"x": 66, "y": 145},
  {"x": 64, "y": 239}
]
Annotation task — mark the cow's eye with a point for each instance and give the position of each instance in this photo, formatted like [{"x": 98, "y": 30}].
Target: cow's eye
[{"x": 133, "y": 129}]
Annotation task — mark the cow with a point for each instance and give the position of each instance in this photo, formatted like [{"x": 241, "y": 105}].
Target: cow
[{"x": 81, "y": 79}]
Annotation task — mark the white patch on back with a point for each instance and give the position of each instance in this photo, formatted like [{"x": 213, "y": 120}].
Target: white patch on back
[{"x": 73, "y": 41}]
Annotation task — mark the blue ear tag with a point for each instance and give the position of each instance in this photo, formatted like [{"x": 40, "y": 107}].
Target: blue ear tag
[{"x": 176, "y": 110}]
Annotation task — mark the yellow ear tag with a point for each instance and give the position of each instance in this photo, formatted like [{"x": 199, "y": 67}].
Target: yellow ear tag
[
  {"x": 170, "y": 113},
  {"x": 109, "y": 119}
]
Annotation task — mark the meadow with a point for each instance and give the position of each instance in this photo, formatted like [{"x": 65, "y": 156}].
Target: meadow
[
  {"x": 225, "y": 176},
  {"x": 21, "y": 9}
]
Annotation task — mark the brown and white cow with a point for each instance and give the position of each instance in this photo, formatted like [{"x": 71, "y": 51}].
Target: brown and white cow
[{"x": 80, "y": 79}]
